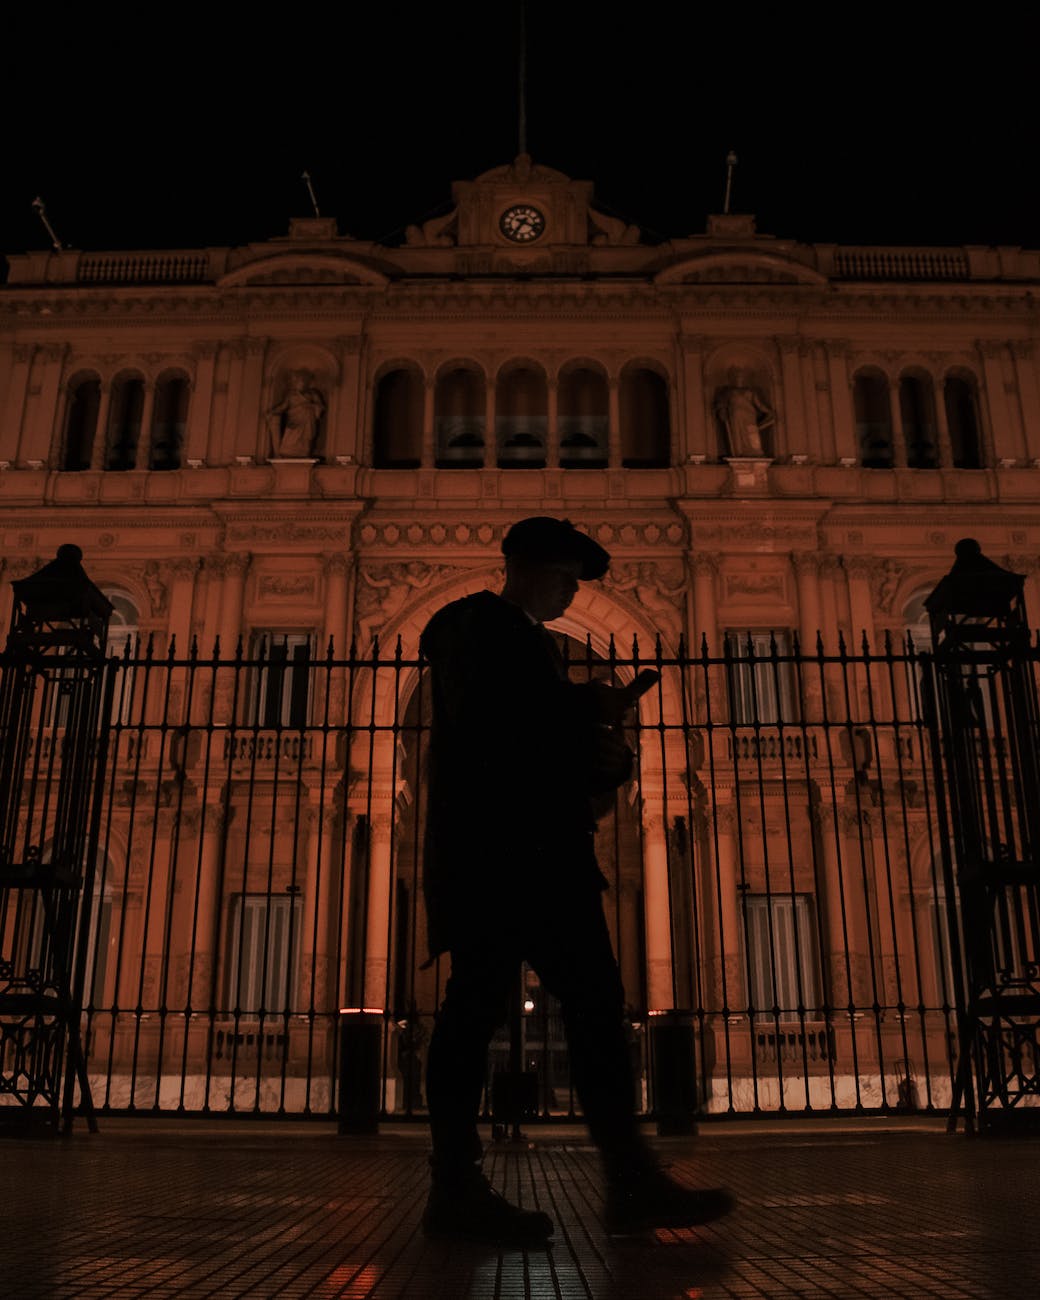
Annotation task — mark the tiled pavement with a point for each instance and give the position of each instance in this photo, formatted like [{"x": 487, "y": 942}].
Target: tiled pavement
[{"x": 221, "y": 1210}]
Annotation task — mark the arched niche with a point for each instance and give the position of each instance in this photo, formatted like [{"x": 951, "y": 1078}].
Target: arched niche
[
  {"x": 917, "y": 412},
  {"x": 460, "y": 416},
  {"x": 298, "y": 395},
  {"x": 645, "y": 415},
  {"x": 125, "y": 412},
  {"x": 873, "y": 412},
  {"x": 521, "y": 415},
  {"x": 397, "y": 419},
  {"x": 81, "y": 417},
  {"x": 169, "y": 420},
  {"x": 961, "y": 401},
  {"x": 583, "y": 416},
  {"x": 741, "y": 393}
]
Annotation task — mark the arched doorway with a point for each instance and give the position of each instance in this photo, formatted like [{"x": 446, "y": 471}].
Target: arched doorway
[{"x": 415, "y": 986}]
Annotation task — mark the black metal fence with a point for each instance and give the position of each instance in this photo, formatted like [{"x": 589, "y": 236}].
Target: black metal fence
[{"x": 774, "y": 866}]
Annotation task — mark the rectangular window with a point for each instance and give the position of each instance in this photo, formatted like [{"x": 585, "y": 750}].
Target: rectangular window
[
  {"x": 263, "y": 946},
  {"x": 280, "y": 682},
  {"x": 782, "y": 954},
  {"x": 761, "y": 682}
]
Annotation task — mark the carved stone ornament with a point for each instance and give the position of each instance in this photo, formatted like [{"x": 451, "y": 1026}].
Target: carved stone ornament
[
  {"x": 658, "y": 590},
  {"x": 281, "y": 586},
  {"x": 884, "y": 580},
  {"x": 156, "y": 587},
  {"x": 384, "y": 591}
]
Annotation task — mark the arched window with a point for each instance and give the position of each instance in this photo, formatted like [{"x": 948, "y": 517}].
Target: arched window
[
  {"x": 169, "y": 422},
  {"x": 873, "y": 419},
  {"x": 521, "y": 417},
  {"x": 124, "y": 422},
  {"x": 960, "y": 395},
  {"x": 917, "y": 408},
  {"x": 645, "y": 422},
  {"x": 459, "y": 413},
  {"x": 582, "y": 406},
  {"x": 81, "y": 422},
  {"x": 397, "y": 420}
]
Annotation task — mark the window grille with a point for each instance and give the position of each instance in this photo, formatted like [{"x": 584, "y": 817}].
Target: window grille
[
  {"x": 263, "y": 947},
  {"x": 761, "y": 685},
  {"x": 781, "y": 952},
  {"x": 279, "y": 694}
]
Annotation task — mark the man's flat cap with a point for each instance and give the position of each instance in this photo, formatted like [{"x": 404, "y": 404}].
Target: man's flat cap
[{"x": 543, "y": 539}]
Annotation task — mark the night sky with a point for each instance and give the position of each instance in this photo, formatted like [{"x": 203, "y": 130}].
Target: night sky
[{"x": 185, "y": 126}]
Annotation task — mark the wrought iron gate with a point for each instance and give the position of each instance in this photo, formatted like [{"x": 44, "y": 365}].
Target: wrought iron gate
[{"x": 775, "y": 869}]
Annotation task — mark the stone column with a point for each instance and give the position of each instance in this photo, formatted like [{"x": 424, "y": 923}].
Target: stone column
[
  {"x": 249, "y": 412},
  {"x": 942, "y": 424},
  {"x": 1007, "y": 445},
  {"x": 552, "y": 437},
  {"x": 99, "y": 449},
  {"x": 810, "y": 623},
  {"x": 899, "y": 447},
  {"x": 858, "y": 571},
  {"x": 793, "y": 428},
  {"x": 343, "y": 437},
  {"x": 1024, "y": 353},
  {"x": 814, "y": 444},
  {"x": 201, "y": 404},
  {"x": 234, "y": 568},
  {"x": 12, "y": 435},
  {"x": 428, "y": 455},
  {"x": 335, "y": 629},
  {"x": 204, "y": 993},
  {"x": 657, "y": 914},
  {"x": 380, "y": 881},
  {"x": 143, "y": 456},
  {"x": 705, "y": 601},
  {"x": 837, "y": 909},
  {"x": 613, "y": 423},
  {"x": 182, "y": 593},
  {"x": 490, "y": 432},
  {"x": 730, "y": 944},
  {"x": 842, "y": 415},
  {"x": 317, "y": 992},
  {"x": 699, "y": 441}
]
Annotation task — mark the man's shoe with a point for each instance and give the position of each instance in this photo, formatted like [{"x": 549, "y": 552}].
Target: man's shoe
[
  {"x": 651, "y": 1199},
  {"x": 473, "y": 1211}
]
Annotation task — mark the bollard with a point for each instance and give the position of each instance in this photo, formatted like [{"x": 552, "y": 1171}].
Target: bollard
[
  {"x": 674, "y": 1055},
  {"x": 360, "y": 1073}
]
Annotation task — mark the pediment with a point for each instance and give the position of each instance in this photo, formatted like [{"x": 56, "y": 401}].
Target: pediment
[
  {"x": 739, "y": 266},
  {"x": 300, "y": 267}
]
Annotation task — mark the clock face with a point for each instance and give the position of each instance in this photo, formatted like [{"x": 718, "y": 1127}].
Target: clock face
[{"x": 521, "y": 223}]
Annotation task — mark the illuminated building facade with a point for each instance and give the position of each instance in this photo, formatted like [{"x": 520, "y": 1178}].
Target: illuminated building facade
[{"x": 320, "y": 437}]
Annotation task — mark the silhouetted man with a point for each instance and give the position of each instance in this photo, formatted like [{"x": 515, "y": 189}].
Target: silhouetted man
[{"x": 517, "y": 755}]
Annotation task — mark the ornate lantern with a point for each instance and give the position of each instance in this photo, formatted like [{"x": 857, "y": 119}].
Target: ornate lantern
[
  {"x": 988, "y": 779},
  {"x": 54, "y": 709}
]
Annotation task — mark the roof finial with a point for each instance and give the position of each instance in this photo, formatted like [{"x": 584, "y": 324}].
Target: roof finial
[
  {"x": 306, "y": 178},
  {"x": 521, "y": 86},
  {"x": 41, "y": 212},
  {"x": 731, "y": 162}
]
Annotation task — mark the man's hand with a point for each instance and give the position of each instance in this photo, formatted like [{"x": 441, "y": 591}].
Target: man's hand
[{"x": 613, "y": 702}]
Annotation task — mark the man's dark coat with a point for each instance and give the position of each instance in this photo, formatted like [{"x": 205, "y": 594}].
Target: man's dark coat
[{"x": 510, "y": 770}]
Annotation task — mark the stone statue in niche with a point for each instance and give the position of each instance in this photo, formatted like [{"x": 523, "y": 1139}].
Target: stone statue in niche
[
  {"x": 293, "y": 422},
  {"x": 743, "y": 414}
]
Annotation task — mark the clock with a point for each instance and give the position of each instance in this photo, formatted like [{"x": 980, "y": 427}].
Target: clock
[{"x": 521, "y": 223}]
